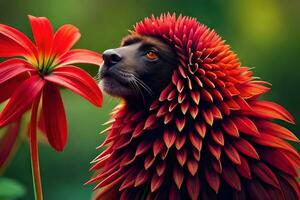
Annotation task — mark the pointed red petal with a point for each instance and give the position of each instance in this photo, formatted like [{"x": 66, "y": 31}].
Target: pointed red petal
[
  {"x": 245, "y": 148},
  {"x": 161, "y": 168},
  {"x": 213, "y": 179},
  {"x": 181, "y": 156},
  {"x": 9, "y": 87},
  {"x": 21, "y": 99},
  {"x": 178, "y": 176},
  {"x": 195, "y": 140},
  {"x": 195, "y": 96},
  {"x": 64, "y": 39},
  {"x": 8, "y": 141},
  {"x": 13, "y": 67},
  {"x": 232, "y": 154},
  {"x": 42, "y": 33},
  {"x": 245, "y": 125},
  {"x": 141, "y": 178},
  {"x": 244, "y": 168},
  {"x": 275, "y": 142},
  {"x": 276, "y": 130},
  {"x": 217, "y": 136},
  {"x": 151, "y": 120},
  {"x": 192, "y": 166},
  {"x": 279, "y": 160},
  {"x": 156, "y": 182},
  {"x": 180, "y": 141},
  {"x": 78, "y": 81},
  {"x": 230, "y": 128},
  {"x": 256, "y": 190},
  {"x": 15, "y": 43},
  {"x": 180, "y": 123},
  {"x": 231, "y": 177},
  {"x": 54, "y": 117},
  {"x": 80, "y": 56},
  {"x": 267, "y": 109},
  {"x": 169, "y": 138},
  {"x": 157, "y": 146},
  {"x": 200, "y": 129},
  {"x": 264, "y": 173},
  {"x": 193, "y": 186}
]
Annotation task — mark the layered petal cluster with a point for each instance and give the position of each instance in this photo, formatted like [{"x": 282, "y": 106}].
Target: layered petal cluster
[
  {"x": 35, "y": 71},
  {"x": 207, "y": 136}
]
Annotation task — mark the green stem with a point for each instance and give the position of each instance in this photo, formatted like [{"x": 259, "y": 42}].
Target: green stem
[{"x": 34, "y": 153}]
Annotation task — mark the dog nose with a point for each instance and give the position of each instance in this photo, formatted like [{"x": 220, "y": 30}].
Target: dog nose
[{"x": 111, "y": 57}]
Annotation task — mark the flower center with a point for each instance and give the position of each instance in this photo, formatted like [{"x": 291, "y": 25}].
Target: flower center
[{"x": 46, "y": 64}]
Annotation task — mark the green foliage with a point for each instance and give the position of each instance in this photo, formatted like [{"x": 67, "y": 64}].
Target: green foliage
[{"x": 10, "y": 189}]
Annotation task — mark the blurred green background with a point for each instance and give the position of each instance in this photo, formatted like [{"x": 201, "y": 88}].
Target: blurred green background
[{"x": 265, "y": 35}]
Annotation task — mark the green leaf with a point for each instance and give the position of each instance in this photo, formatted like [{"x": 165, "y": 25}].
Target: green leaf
[{"x": 10, "y": 189}]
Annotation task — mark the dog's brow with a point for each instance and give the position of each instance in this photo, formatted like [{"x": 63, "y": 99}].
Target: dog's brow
[{"x": 131, "y": 39}]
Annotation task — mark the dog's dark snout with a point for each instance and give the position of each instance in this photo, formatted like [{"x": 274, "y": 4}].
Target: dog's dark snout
[{"x": 111, "y": 57}]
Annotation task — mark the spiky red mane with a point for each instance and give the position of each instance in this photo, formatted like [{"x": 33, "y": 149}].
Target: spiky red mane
[{"x": 207, "y": 136}]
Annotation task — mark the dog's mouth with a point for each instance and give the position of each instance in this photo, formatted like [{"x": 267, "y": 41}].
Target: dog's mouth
[{"x": 115, "y": 82}]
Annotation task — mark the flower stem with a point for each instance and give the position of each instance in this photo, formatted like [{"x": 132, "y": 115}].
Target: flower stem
[{"x": 34, "y": 153}]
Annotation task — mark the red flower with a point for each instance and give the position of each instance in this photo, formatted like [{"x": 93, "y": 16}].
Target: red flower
[
  {"x": 43, "y": 68},
  {"x": 207, "y": 136},
  {"x": 37, "y": 74}
]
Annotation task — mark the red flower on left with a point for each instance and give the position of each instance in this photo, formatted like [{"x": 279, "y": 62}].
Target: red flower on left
[
  {"x": 45, "y": 66},
  {"x": 34, "y": 73}
]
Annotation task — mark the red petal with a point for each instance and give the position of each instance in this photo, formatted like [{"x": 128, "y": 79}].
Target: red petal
[
  {"x": 42, "y": 33},
  {"x": 245, "y": 125},
  {"x": 64, "y": 39},
  {"x": 193, "y": 187},
  {"x": 264, "y": 173},
  {"x": 8, "y": 141},
  {"x": 276, "y": 130},
  {"x": 13, "y": 67},
  {"x": 231, "y": 177},
  {"x": 271, "y": 110},
  {"x": 151, "y": 120},
  {"x": 78, "y": 81},
  {"x": 161, "y": 168},
  {"x": 244, "y": 168},
  {"x": 80, "y": 56},
  {"x": 232, "y": 154},
  {"x": 157, "y": 146},
  {"x": 15, "y": 43},
  {"x": 246, "y": 148},
  {"x": 180, "y": 123},
  {"x": 143, "y": 147},
  {"x": 21, "y": 99},
  {"x": 141, "y": 178},
  {"x": 275, "y": 142},
  {"x": 178, "y": 176},
  {"x": 192, "y": 166},
  {"x": 213, "y": 179},
  {"x": 256, "y": 190},
  {"x": 279, "y": 160},
  {"x": 181, "y": 156},
  {"x": 180, "y": 141},
  {"x": 54, "y": 115},
  {"x": 156, "y": 182},
  {"x": 217, "y": 136},
  {"x": 10, "y": 86},
  {"x": 230, "y": 128},
  {"x": 195, "y": 140},
  {"x": 169, "y": 138},
  {"x": 201, "y": 129}
]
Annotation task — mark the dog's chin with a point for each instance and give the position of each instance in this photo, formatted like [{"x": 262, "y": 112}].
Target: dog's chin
[{"x": 114, "y": 88}]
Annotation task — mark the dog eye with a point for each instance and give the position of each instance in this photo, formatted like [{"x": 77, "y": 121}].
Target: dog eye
[{"x": 151, "y": 55}]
